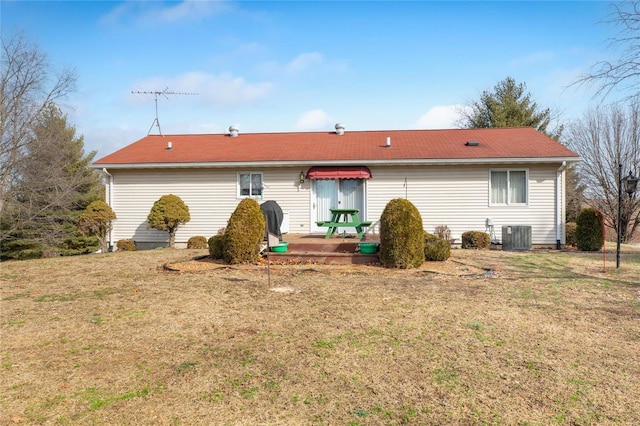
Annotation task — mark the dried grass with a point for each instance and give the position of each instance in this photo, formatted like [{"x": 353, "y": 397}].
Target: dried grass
[{"x": 116, "y": 339}]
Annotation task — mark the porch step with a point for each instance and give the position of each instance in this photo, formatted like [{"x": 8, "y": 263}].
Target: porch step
[
  {"x": 326, "y": 246},
  {"x": 317, "y": 249},
  {"x": 324, "y": 257}
]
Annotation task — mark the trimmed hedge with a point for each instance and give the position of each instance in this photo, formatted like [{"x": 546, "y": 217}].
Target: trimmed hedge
[
  {"x": 126, "y": 245},
  {"x": 216, "y": 246},
  {"x": 197, "y": 242},
  {"x": 436, "y": 248},
  {"x": 589, "y": 235},
  {"x": 475, "y": 240},
  {"x": 244, "y": 232},
  {"x": 401, "y": 235}
]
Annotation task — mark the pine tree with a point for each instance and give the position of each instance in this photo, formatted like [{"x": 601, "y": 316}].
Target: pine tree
[
  {"x": 509, "y": 106},
  {"x": 55, "y": 185}
]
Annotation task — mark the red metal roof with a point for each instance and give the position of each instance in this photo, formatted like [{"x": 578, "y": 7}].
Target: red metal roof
[{"x": 358, "y": 147}]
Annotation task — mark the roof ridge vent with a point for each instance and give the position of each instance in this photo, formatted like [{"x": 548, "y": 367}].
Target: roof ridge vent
[
  {"x": 340, "y": 129},
  {"x": 472, "y": 143},
  {"x": 233, "y": 131}
]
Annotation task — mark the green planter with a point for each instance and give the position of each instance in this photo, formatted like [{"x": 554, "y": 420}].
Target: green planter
[
  {"x": 280, "y": 248},
  {"x": 368, "y": 248}
]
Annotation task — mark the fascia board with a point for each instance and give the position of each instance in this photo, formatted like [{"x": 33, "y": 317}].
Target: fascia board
[{"x": 406, "y": 162}]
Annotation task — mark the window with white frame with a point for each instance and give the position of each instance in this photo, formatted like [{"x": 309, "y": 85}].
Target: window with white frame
[
  {"x": 250, "y": 184},
  {"x": 508, "y": 187}
]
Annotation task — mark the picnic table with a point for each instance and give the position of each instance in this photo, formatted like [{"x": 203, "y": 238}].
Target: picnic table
[{"x": 344, "y": 218}]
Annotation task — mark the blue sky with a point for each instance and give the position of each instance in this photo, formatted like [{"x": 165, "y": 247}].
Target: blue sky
[{"x": 269, "y": 66}]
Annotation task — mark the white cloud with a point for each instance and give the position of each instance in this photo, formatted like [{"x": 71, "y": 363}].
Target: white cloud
[
  {"x": 441, "y": 117},
  {"x": 303, "y": 62},
  {"x": 222, "y": 90},
  {"x": 188, "y": 10},
  {"x": 314, "y": 120},
  {"x": 152, "y": 13}
]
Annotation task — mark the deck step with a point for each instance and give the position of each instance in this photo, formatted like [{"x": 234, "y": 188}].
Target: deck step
[{"x": 324, "y": 257}]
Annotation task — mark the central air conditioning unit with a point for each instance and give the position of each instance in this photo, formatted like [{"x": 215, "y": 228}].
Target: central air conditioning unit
[{"x": 516, "y": 237}]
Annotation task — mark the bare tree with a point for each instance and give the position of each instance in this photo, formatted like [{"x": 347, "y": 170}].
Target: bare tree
[
  {"x": 623, "y": 73},
  {"x": 28, "y": 85},
  {"x": 605, "y": 139}
]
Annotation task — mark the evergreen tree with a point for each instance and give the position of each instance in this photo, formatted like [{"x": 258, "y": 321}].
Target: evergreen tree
[
  {"x": 509, "y": 106},
  {"x": 54, "y": 186},
  {"x": 167, "y": 214}
]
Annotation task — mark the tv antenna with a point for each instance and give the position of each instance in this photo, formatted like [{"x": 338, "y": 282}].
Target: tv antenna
[{"x": 166, "y": 92}]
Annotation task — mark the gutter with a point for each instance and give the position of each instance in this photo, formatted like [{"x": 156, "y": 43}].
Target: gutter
[
  {"x": 296, "y": 163},
  {"x": 560, "y": 204},
  {"x": 109, "y": 197}
]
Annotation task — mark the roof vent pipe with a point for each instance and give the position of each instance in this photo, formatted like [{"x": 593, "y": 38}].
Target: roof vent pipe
[
  {"x": 233, "y": 131},
  {"x": 169, "y": 146},
  {"x": 340, "y": 129},
  {"x": 388, "y": 145}
]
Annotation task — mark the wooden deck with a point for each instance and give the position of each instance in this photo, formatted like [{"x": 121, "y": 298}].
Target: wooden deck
[{"x": 315, "y": 248}]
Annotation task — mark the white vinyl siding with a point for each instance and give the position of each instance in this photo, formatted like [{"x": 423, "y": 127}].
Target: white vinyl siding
[
  {"x": 210, "y": 194},
  {"x": 508, "y": 187},
  {"x": 457, "y": 196}
]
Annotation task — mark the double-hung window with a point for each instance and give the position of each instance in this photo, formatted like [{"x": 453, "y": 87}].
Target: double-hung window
[
  {"x": 508, "y": 187},
  {"x": 250, "y": 184}
]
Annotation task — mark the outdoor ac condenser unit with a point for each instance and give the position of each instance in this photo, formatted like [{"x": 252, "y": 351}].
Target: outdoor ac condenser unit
[{"x": 516, "y": 237}]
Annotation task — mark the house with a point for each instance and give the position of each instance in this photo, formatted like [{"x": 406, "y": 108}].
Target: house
[{"x": 465, "y": 179}]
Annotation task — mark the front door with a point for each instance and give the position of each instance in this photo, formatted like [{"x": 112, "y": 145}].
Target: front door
[{"x": 336, "y": 193}]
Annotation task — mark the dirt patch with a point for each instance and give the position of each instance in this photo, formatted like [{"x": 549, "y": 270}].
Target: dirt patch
[{"x": 457, "y": 265}]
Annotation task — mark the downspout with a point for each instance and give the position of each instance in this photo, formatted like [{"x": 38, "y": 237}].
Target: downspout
[
  {"x": 560, "y": 202},
  {"x": 109, "y": 197}
]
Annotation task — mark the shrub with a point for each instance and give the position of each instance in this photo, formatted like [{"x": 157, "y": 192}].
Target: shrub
[
  {"x": 96, "y": 220},
  {"x": 80, "y": 244},
  {"x": 244, "y": 232},
  {"x": 401, "y": 235},
  {"x": 475, "y": 240},
  {"x": 442, "y": 231},
  {"x": 126, "y": 245},
  {"x": 167, "y": 214},
  {"x": 589, "y": 236},
  {"x": 216, "y": 246},
  {"x": 436, "y": 248},
  {"x": 570, "y": 233},
  {"x": 197, "y": 242}
]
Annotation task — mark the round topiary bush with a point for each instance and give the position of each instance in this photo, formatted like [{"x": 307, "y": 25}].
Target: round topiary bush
[
  {"x": 244, "y": 232},
  {"x": 401, "y": 235},
  {"x": 436, "y": 248},
  {"x": 570, "y": 234},
  {"x": 167, "y": 214},
  {"x": 197, "y": 242},
  {"x": 216, "y": 246},
  {"x": 96, "y": 220},
  {"x": 475, "y": 240},
  {"x": 589, "y": 235},
  {"x": 126, "y": 245}
]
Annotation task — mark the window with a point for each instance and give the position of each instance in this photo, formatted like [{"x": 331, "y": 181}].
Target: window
[
  {"x": 508, "y": 187},
  {"x": 250, "y": 184}
]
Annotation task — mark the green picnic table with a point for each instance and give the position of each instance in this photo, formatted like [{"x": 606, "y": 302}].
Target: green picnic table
[{"x": 344, "y": 218}]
